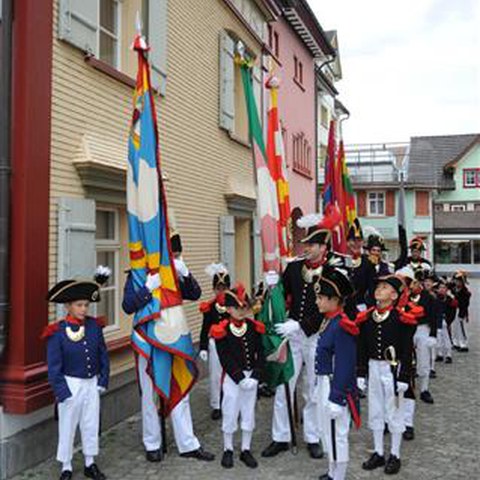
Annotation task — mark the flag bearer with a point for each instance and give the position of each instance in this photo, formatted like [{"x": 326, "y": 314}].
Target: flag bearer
[
  {"x": 78, "y": 370},
  {"x": 385, "y": 354},
  {"x": 335, "y": 365},
  {"x": 213, "y": 311},
  {"x": 239, "y": 346}
]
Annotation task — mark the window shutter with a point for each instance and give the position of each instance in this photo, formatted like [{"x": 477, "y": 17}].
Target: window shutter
[
  {"x": 422, "y": 203},
  {"x": 227, "y": 243},
  {"x": 390, "y": 203},
  {"x": 257, "y": 251},
  {"x": 78, "y": 23},
  {"x": 227, "y": 82},
  {"x": 362, "y": 203},
  {"x": 157, "y": 39}
]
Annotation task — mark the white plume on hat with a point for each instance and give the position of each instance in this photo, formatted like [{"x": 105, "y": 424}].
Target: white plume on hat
[
  {"x": 369, "y": 231},
  {"x": 309, "y": 220},
  {"x": 102, "y": 274},
  {"x": 215, "y": 268},
  {"x": 406, "y": 272}
]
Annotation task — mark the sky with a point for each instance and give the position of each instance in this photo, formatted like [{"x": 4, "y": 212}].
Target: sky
[{"x": 409, "y": 67}]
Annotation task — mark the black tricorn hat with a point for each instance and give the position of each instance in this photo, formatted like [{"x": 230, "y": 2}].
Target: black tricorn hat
[
  {"x": 417, "y": 243},
  {"x": 221, "y": 278},
  {"x": 333, "y": 282},
  {"x": 355, "y": 231},
  {"x": 237, "y": 297},
  {"x": 376, "y": 241},
  {"x": 176, "y": 242},
  {"x": 319, "y": 228},
  {"x": 394, "y": 281},
  {"x": 73, "y": 290}
]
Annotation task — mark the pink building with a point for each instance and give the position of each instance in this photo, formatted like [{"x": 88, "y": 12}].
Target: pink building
[{"x": 298, "y": 43}]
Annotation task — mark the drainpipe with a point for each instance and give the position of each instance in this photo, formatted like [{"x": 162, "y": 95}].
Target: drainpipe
[{"x": 5, "y": 169}]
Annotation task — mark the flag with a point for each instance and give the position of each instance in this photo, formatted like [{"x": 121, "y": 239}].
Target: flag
[
  {"x": 329, "y": 169},
  {"x": 348, "y": 192},
  {"x": 278, "y": 169},
  {"x": 160, "y": 329}
]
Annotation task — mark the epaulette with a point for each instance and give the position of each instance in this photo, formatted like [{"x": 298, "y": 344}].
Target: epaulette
[
  {"x": 219, "y": 330},
  {"x": 349, "y": 326},
  {"x": 407, "y": 317},
  {"x": 416, "y": 310},
  {"x": 258, "y": 326},
  {"x": 363, "y": 316},
  {"x": 50, "y": 330},
  {"x": 101, "y": 321},
  {"x": 206, "y": 306}
]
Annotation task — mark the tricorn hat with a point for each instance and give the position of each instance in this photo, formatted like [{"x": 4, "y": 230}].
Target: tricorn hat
[
  {"x": 319, "y": 227},
  {"x": 374, "y": 239},
  {"x": 176, "y": 242},
  {"x": 237, "y": 297},
  {"x": 355, "y": 231},
  {"x": 417, "y": 243},
  {"x": 219, "y": 274},
  {"x": 394, "y": 281},
  {"x": 333, "y": 282}
]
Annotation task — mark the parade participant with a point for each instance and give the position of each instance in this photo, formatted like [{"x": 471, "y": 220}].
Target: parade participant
[
  {"x": 430, "y": 283},
  {"x": 445, "y": 300},
  {"x": 213, "y": 311},
  {"x": 239, "y": 346},
  {"x": 426, "y": 334},
  {"x": 78, "y": 370},
  {"x": 416, "y": 259},
  {"x": 134, "y": 300},
  {"x": 385, "y": 354},
  {"x": 362, "y": 273},
  {"x": 462, "y": 295},
  {"x": 301, "y": 329},
  {"x": 335, "y": 365},
  {"x": 375, "y": 248}
]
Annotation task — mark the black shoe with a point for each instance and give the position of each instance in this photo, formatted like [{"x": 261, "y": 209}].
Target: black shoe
[
  {"x": 455, "y": 347},
  {"x": 153, "y": 455},
  {"x": 426, "y": 397},
  {"x": 439, "y": 358},
  {"x": 199, "y": 454},
  {"x": 216, "y": 414},
  {"x": 385, "y": 429},
  {"x": 463, "y": 349},
  {"x": 374, "y": 462},
  {"x": 227, "y": 459},
  {"x": 66, "y": 475},
  {"x": 274, "y": 449},
  {"x": 448, "y": 360},
  {"x": 433, "y": 374},
  {"x": 393, "y": 465},
  {"x": 315, "y": 450},
  {"x": 248, "y": 459},
  {"x": 409, "y": 434},
  {"x": 325, "y": 476},
  {"x": 94, "y": 472}
]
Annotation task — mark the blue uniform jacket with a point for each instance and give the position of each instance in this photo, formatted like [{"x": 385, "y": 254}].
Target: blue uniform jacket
[
  {"x": 336, "y": 355},
  {"x": 134, "y": 300},
  {"x": 86, "y": 358}
]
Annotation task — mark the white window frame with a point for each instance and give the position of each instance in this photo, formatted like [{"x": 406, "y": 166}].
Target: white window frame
[
  {"x": 377, "y": 193},
  {"x": 116, "y": 37},
  {"x": 114, "y": 246},
  {"x": 459, "y": 207}
]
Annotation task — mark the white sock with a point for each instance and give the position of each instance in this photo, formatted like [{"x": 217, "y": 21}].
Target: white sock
[
  {"x": 378, "y": 441},
  {"x": 340, "y": 471},
  {"x": 89, "y": 460},
  {"x": 396, "y": 442},
  {"x": 246, "y": 440},
  {"x": 227, "y": 441},
  {"x": 331, "y": 469},
  {"x": 67, "y": 466}
]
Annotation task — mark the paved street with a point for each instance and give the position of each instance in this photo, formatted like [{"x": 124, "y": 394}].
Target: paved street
[{"x": 446, "y": 446}]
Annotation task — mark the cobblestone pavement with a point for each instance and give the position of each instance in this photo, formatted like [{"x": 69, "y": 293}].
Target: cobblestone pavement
[{"x": 446, "y": 446}]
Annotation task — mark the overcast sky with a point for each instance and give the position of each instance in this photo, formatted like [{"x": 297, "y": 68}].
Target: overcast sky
[{"x": 410, "y": 67}]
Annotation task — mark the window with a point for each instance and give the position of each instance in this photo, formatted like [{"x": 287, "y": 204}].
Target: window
[
  {"x": 453, "y": 251},
  {"x": 298, "y": 70},
  {"x": 107, "y": 246},
  {"x": 471, "y": 177},
  {"x": 109, "y": 31},
  {"x": 460, "y": 207},
  {"x": 422, "y": 204},
  {"x": 324, "y": 116},
  {"x": 276, "y": 44},
  {"x": 302, "y": 153},
  {"x": 376, "y": 204},
  {"x": 476, "y": 251}
]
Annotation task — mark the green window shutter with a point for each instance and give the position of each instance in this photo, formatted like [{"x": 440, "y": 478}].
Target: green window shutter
[
  {"x": 157, "y": 39},
  {"x": 227, "y": 82},
  {"x": 78, "y": 23},
  {"x": 227, "y": 243}
]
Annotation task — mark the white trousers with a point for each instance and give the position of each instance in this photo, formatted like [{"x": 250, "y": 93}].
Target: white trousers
[
  {"x": 444, "y": 347},
  {"x": 81, "y": 409},
  {"x": 342, "y": 425},
  {"x": 423, "y": 351},
  {"x": 181, "y": 417},
  {"x": 383, "y": 405},
  {"x": 409, "y": 411},
  {"x": 459, "y": 336},
  {"x": 238, "y": 403},
  {"x": 303, "y": 352},
  {"x": 215, "y": 375}
]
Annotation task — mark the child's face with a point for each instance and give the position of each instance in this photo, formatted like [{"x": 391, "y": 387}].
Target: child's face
[
  {"x": 416, "y": 254},
  {"x": 428, "y": 283},
  {"x": 220, "y": 289},
  {"x": 385, "y": 293},
  {"x": 327, "y": 304},
  {"x": 78, "y": 309},
  {"x": 238, "y": 313},
  {"x": 442, "y": 290},
  {"x": 355, "y": 246}
]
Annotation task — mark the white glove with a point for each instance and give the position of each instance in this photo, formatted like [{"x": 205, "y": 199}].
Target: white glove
[
  {"x": 334, "y": 410},
  {"x": 431, "y": 342},
  {"x": 181, "y": 268},
  {"x": 203, "y": 355},
  {"x": 248, "y": 384},
  {"x": 288, "y": 328},
  {"x": 101, "y": 390},
  {"x": 153, "y": 282},
  {"x": 402, "y": 387},
  {"x": 361, "y": 384},
  {"x": 272, "y": 278}
]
